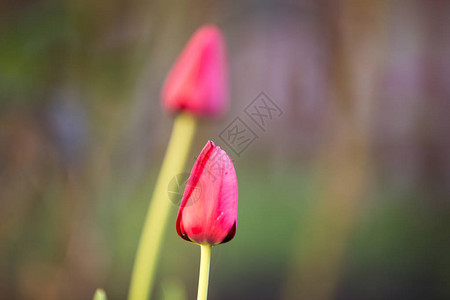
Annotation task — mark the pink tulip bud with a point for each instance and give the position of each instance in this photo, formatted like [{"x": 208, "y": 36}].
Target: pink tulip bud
[
  {"x": 208, "y": 211},
  {"x": 198, "y": 80}
]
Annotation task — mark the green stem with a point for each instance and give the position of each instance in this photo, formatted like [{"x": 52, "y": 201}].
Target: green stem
[
  {"x": 147, "y": 255},
  {"x": 205, "y": 259}
]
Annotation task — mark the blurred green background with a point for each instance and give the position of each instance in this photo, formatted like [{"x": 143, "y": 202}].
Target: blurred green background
[{"x": 344, "y": 196}]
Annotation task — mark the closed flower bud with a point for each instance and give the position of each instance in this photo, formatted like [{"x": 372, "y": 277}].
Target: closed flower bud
[
  {"x": 208, "y": 211},
  {"x": 197, "y": 82}
]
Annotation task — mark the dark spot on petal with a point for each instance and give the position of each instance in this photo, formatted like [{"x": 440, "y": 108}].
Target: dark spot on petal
[
  {"x": 180, "y": 229},
  {"x": 230, "y": 234},
  {"x": 196, "y": 230}
]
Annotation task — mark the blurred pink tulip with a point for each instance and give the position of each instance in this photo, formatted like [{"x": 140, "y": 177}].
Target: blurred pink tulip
[
  {"x": 208, "y": 211},
  {"x": 198, "y": 80}
]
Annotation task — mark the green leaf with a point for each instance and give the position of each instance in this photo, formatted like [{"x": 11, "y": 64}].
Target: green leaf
[{"x": 100, "y": 295}]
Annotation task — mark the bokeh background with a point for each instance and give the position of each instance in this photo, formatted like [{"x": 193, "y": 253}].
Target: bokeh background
[{"x": 344, "y": 196}]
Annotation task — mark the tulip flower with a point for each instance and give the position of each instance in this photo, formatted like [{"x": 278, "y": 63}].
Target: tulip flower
[
  {"x": 209, "y": 216},
  {"x": 197, "y": 82},
  {"x": 195, "y": 87}
]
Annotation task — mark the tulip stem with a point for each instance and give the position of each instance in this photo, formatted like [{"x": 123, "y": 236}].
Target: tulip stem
[
  {"x": 142, "y": 278},
  {"x": 205, "y": 259}
]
